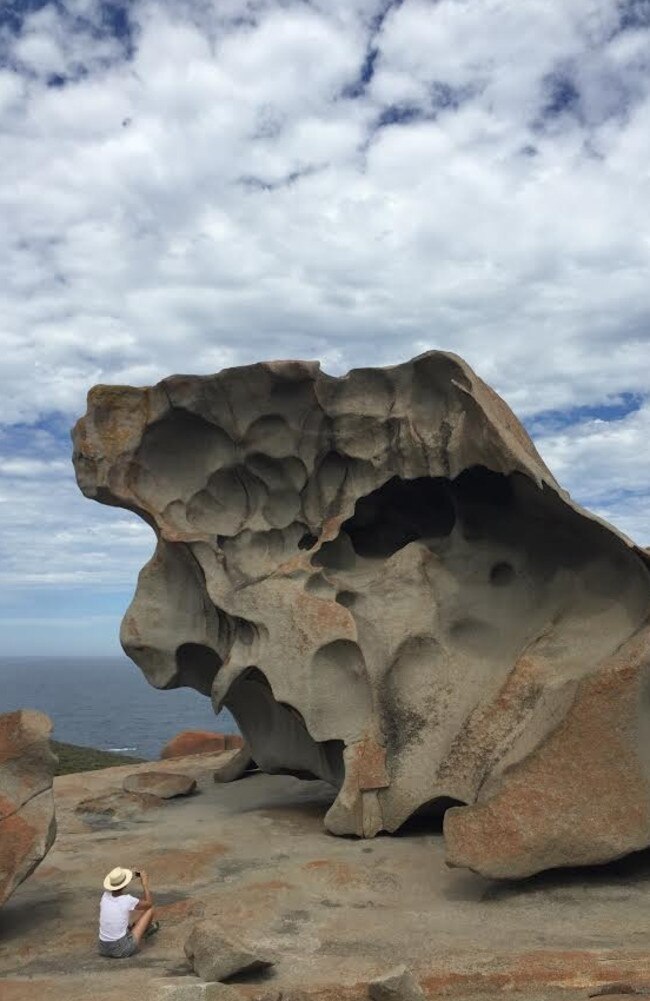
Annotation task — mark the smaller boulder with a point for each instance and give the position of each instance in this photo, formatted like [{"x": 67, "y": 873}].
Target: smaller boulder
[
  {"x": 233, "y": 764},
  {"x": 165, "y": 785},
  {"x": 214, "y": 956},
  {"x": 398, "y": 984},
  {"x": 197, "y": 742}
]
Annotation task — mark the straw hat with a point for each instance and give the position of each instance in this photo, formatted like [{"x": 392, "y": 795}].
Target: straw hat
[{"x": 118, "y": 878}]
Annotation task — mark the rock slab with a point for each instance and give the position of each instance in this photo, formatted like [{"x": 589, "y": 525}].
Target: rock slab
[
  {"x": 234, "y": 765},
  {"x": 383, "y": 582},
  {"x": 215, "y": 956},
  {"x": 165, "y": 785},
  {"x": 396, "y": 985},
  {"x": 27, "y": 819}
]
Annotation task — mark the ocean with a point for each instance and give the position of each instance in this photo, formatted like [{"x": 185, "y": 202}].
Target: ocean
[{"x": 105, "y": 702}]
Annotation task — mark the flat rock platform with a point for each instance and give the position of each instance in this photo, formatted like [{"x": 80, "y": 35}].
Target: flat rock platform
[{"x": 335, "y": 912}]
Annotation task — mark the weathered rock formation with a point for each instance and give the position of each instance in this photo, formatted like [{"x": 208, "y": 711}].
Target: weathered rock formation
[
  {"x": 27, "y": 822},
  {"x": 383, "y": 582}
]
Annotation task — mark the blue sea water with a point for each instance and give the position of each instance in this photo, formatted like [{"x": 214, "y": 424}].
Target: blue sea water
[{"x": 105, "y": 702}]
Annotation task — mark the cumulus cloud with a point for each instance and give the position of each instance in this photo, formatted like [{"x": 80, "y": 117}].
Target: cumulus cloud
[
  {"x": 191, "y": 185},
  {"x": 604, "y": 464},
  {"x": 49, "y": 536}
]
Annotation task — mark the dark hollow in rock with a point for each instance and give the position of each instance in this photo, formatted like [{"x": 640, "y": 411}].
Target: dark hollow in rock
[
  {"x": 501, "y": 574},
  {"x": 399, "y": 512},
  {"x": 429, "y": 817},
  {"x": 197, "y": 666}
]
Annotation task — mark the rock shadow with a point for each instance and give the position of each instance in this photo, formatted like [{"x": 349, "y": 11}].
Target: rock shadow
[
  {"x": 427, "y": 819},
  {"x": 18, "y": 917},
  {"x": 631, "y": 871}
]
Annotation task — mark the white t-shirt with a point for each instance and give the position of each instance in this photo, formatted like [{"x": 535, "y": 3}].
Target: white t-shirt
[{"x": 114, "y": 915}]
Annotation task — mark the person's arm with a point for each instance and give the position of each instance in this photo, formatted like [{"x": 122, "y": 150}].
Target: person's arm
[{"x": 147, "y": 900}]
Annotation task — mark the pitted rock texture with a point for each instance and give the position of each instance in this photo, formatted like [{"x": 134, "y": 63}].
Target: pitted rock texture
[
  {"x": 383, "y": 582},
  {"x": 27, "y": 821}
]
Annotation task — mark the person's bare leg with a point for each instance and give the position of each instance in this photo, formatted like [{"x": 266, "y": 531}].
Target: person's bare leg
[{"x": 139, "y": 928}]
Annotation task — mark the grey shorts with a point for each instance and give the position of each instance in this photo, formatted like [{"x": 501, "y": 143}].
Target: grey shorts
[{"x": 120, "y": 949}]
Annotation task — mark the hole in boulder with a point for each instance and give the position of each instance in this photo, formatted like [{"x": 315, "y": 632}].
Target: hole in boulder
[
  {"x": 400, "y": 512},
  {"x": 346, "y": 598},
  {"x": 482, "y": 486},
  {"x": 501, "y": 574},
  {"x": 277, "y": 733},
  {"x": 246, "y": 631},
  {"x": 428, "y": 818},
  {"x": 336, "y": 555},
  {"x": 308, "y": 541},
  {"x": 197, "y": 666},
  {"x": 319, "y": 586}
]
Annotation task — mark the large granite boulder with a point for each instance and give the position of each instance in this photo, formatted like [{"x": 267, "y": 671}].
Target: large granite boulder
[
  {"x": 27, "y": 821},
  {"x": 383, "y": 582}
]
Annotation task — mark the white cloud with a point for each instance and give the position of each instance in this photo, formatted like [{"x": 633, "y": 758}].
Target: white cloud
[
  {"x": 227, "y": 194},
  {"x": 598, "y": 458},
  {"x": 52, "y": 535},
  {"x": 605, "y": 464},
  {"x": 26, "y": 467}
]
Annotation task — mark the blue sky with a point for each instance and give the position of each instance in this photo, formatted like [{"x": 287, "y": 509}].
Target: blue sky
[{"x": 187, "y": 184}]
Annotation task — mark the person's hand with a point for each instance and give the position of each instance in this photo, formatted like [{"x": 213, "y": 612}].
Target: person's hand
[{"x": 143, "y": 876}]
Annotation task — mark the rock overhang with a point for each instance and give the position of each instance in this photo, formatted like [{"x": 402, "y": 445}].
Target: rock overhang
[{"x": 376, "y": 573}]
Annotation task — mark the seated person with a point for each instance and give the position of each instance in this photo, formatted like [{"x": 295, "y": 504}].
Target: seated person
[{"x": 124, "y": 920}]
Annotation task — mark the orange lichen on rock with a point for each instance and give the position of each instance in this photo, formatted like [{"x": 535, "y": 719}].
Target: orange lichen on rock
[
  {"x": 200, "y": 742},
  {"x": 587, "y": 774}
]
